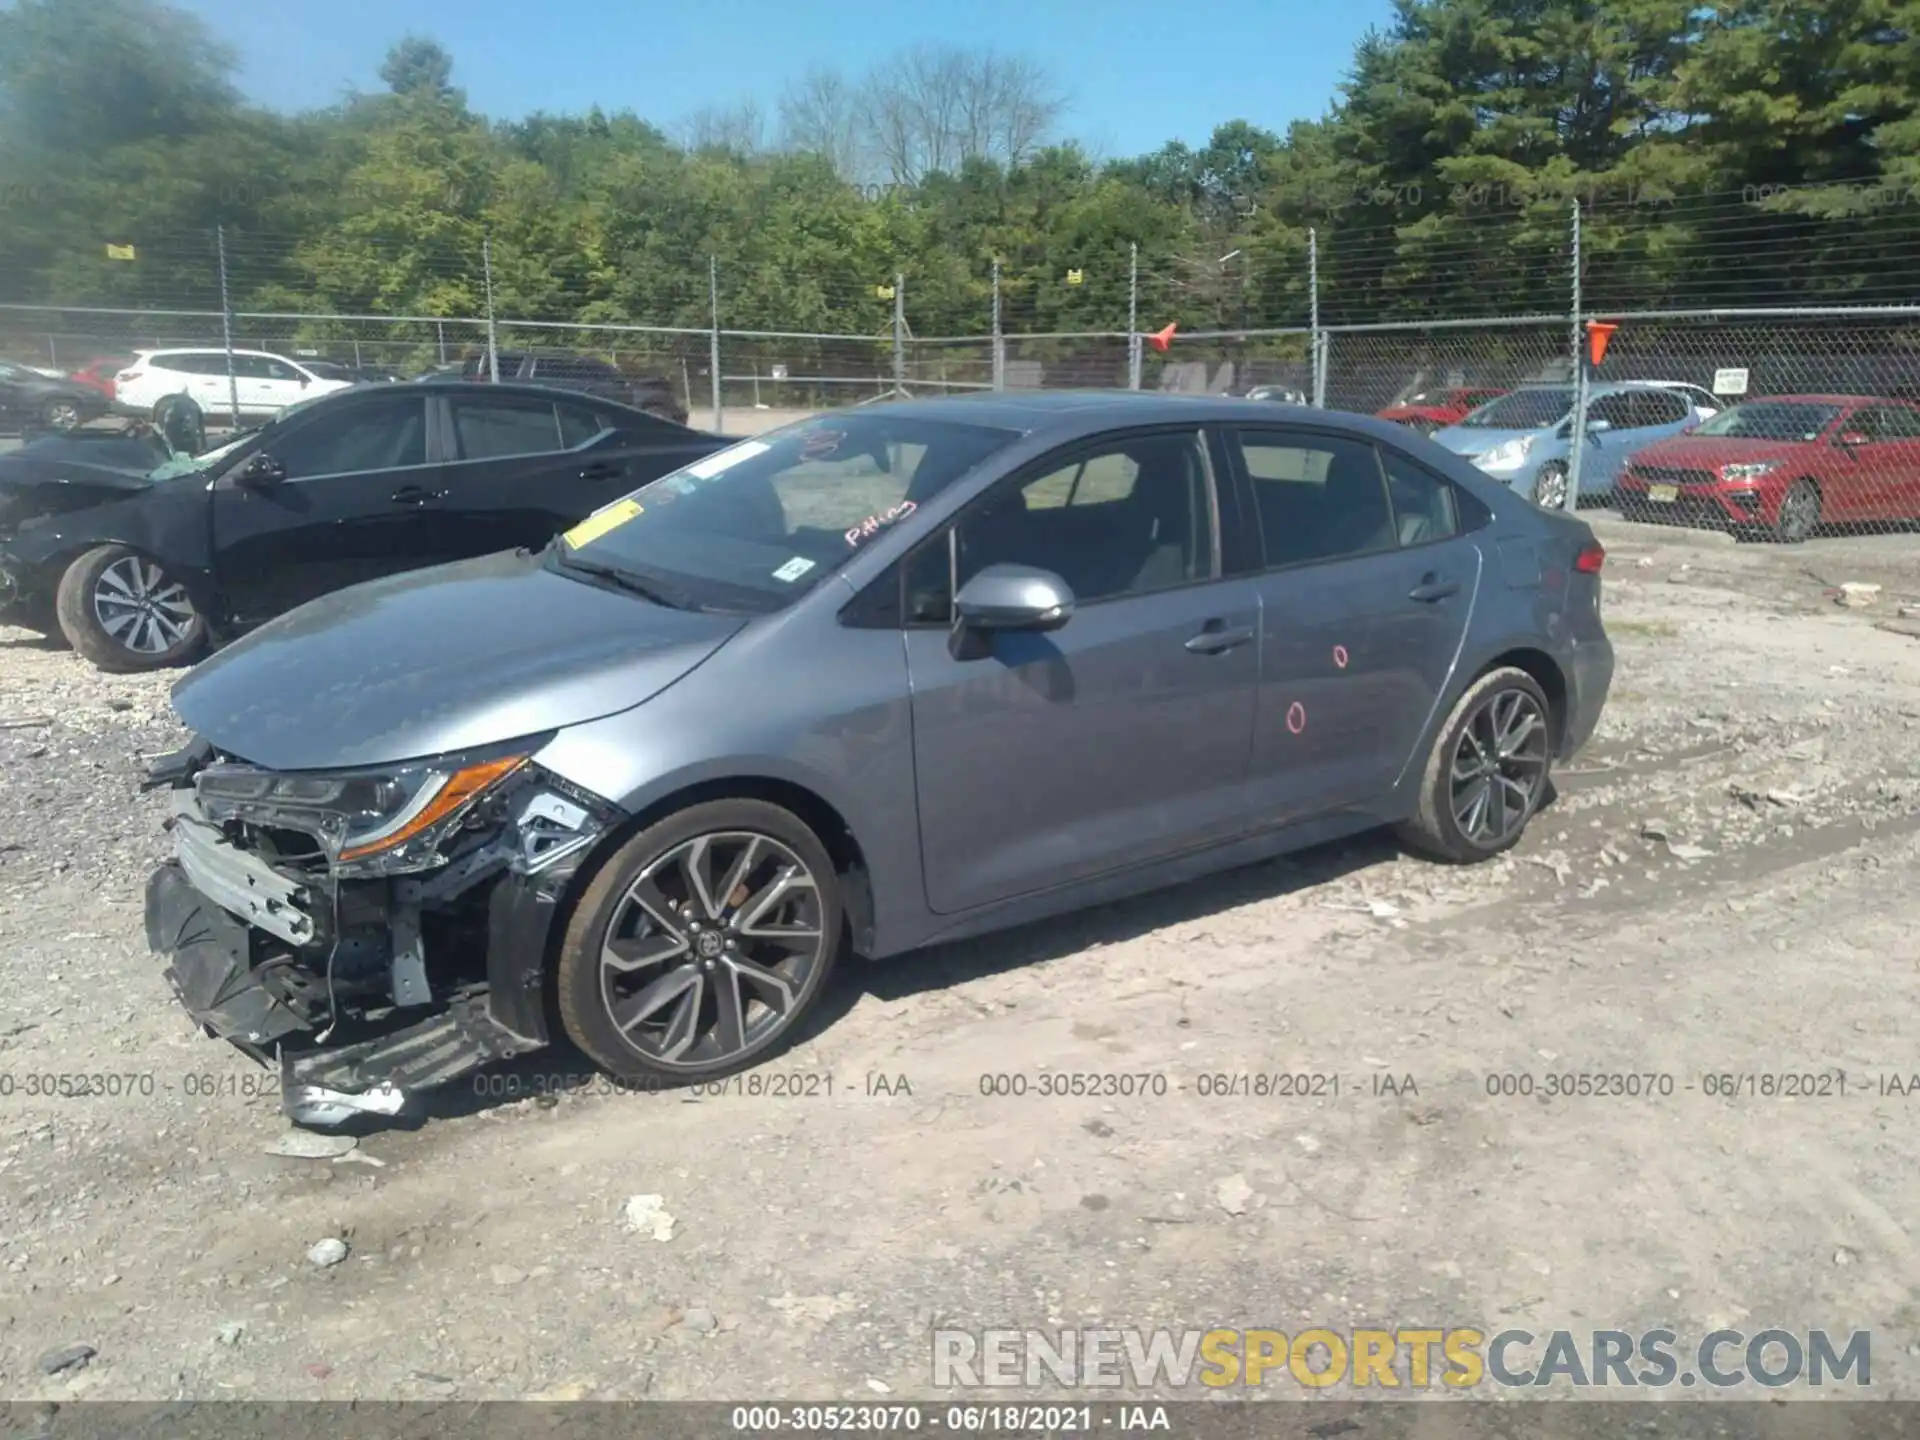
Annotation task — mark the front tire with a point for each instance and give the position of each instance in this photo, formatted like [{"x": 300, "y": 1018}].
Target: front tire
[
  {"x": 1799, "y": 513},
  {"x": 1550, "y": 487},
  {"x": 1488, "y": 771},
  {"x": 125, "y": 613},
  {"x": 700, "y": 944}
]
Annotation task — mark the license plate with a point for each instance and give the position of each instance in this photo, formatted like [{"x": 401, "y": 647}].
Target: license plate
[{"x": 1663, "y": 494}]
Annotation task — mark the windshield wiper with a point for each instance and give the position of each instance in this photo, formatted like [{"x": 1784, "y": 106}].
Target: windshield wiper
[{"x": 614, "y": 575}]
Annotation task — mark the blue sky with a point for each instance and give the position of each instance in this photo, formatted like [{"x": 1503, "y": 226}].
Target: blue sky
[{"x": 1138, "y": 72}]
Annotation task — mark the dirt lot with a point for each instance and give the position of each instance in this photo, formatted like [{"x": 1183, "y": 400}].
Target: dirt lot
[{"x": 1770, "y": 736}]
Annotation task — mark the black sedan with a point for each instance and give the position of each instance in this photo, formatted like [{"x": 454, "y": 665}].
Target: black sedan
[
  {"x": 30, "y": 400},
  {"x": 138, "y": 570}
]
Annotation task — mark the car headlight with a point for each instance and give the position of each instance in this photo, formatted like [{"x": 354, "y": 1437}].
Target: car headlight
[
  {"x": 1752, "y": 471},
  {"x": 1507, "y": 454},
  {"x": 390, "y": 821}
]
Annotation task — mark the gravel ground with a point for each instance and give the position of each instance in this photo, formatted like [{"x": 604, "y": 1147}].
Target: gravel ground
[{"x": 1724, "y": 886}]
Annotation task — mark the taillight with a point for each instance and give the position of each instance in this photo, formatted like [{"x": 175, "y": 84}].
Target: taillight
[{"x": 1591, "y": 557}]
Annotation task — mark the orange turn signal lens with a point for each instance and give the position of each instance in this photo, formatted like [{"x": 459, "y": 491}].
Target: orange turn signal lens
[{"x": 459, "y": 788}]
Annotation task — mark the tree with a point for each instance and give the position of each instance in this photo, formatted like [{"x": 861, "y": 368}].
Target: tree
[
  {"x": 931, "y": 108},
  {"x": 419, "y": 68},
  {"x": 820, "y": 114},
  {"x": 78, "y": 77},
  {"x": 736, "y": 129}
]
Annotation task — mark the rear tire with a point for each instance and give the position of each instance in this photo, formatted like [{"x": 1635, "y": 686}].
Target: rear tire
[
  {"x": 707, "y": 976},
  {"x": 62, "y": 415},
  {"x": 1488, "y": 772},
  {"x": 125, "y": 613}
]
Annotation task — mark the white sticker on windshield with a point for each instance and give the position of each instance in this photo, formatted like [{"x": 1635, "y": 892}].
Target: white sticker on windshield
[
  {"x": 793, "y": 569},
  {"x": 715, "y": 464}
]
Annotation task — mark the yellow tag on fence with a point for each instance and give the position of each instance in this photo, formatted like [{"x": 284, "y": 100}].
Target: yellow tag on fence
[{"x": 601, "y": 521}]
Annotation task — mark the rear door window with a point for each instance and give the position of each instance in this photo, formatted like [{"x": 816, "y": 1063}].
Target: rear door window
[
  {"x": 1423, "y": 504},
  {"x": 580, "y": 424},
  {"x": 1318, "y": 497},
  {"x": 501, "y": 429}
]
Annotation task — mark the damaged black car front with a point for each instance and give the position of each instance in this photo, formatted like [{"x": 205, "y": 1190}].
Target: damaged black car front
[{"x": 370, "y": 932}]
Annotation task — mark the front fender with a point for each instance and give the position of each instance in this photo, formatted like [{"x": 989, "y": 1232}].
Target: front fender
[{"x": 174, "y": 534}]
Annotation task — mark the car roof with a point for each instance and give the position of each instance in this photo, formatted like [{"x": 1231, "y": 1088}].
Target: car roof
[
  {"x": 1071, "y": 412},
  {"x": 485, "y": 389},
  {"x": 1811, "y": 399},
  {"x": 213, "y": 350},
  {"x": 1604, "y": 387}
]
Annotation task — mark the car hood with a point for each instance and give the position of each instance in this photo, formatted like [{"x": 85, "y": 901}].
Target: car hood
[
  {"x": 36, "y": 483},
  {"x": 114, "y": 464},
  {"x": 1467, "y": 440},
  {"x": 438, "y": 660},
  {"x": 1418, "y": 412},
  {"x": 1707, "y": 452}
]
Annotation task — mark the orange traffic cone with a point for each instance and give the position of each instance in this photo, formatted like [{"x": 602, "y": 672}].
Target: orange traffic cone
[
  {"x": 1161, "y": 339},
  {"x": 1599, "y": 332}
]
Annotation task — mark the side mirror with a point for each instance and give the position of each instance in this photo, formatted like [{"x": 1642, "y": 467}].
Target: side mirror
[
  {"x": 1848, "y": 439},
  {"x": 1013, "y": 597},
  {"x": 261, "y": 472},
  {"x": 1599, "y": 427}
]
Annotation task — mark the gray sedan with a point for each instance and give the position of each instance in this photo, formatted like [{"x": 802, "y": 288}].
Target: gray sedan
[{"x": 878, "y": 679}]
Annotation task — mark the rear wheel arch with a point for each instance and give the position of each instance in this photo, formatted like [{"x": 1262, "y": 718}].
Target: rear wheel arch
[{"x": 1546, "y": 673}]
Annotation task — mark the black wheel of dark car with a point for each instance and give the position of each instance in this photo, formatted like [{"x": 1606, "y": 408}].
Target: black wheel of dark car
[
  {"x": 124, "y": 612},
  {"x": 700, "y": 943},
  {"x": 1488, "y": 771},
  {"x": 1799, "y": 514},
  {"x": 61, "y": 414},
  {"x": 1550, "y": 490}
]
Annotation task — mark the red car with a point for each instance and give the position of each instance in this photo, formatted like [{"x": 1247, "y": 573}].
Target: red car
[
  {"x": 98, "y": 374},
  {"x": 1786, "y": 464},
  {"x": 1436, "y": 409}
]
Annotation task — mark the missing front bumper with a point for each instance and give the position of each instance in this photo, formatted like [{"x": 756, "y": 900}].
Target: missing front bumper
[
  {"x": 232, "y": 993},
  {"x": 259, "y": 957},
  {"x": 212, "y": 966}
]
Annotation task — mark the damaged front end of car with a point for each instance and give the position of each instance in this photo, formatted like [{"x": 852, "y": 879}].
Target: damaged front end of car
[{"x": 372, "y": 932}]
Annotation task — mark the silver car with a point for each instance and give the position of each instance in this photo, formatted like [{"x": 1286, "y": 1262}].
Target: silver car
[{"x": 879, "y": 679}]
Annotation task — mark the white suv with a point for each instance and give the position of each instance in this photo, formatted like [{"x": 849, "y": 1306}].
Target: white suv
[{"x": 264, "y": 384}]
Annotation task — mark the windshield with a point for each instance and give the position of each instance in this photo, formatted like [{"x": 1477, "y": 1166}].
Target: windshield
[
  {"x": 758, "y": 524},
  {"x": 1523, "y": 410},
  {"x": 1771, "y": 420},
  {"x": 187, "y": 464}
]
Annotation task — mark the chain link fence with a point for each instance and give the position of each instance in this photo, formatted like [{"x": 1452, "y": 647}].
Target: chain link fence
[{"x": 1826, "y": 393}]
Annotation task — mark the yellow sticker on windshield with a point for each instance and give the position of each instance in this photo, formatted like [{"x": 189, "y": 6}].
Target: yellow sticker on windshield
[{"x": 601, "y": 521}]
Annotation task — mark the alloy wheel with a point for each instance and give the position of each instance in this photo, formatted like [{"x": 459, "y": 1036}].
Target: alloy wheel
[
  {"x": 63, "y": 415},
  {"x": 710, "y": 949},
  {"x": 1498, "y": 768},
  {"x": 139, "y": 605},
  {"x": 1799, "y": 512},
  {"x": 1550, "y": 490}
]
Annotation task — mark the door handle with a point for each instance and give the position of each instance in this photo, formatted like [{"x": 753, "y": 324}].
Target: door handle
[
  {"x": 416, "y": 495},
  {"x": 602, "y": 471},
  {"x": 1218, "y": 637},
  {"x": 1432, "y": 587}
]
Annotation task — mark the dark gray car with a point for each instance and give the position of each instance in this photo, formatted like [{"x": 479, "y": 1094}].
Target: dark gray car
[{"x": 882, "y": 678}]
